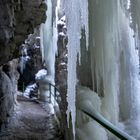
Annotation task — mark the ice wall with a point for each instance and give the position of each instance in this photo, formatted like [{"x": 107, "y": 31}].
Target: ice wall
[
  {"x": 112, "y": 37},
  {"x": 55, "y": 20},
  {"x": 23, "y": 59},
  {"x": 115, "y": 62},
  {"x": 129, "y": 73},
  {"x": 104, "y": 55}
]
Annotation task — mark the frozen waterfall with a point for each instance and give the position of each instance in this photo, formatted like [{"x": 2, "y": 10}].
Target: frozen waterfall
[
  {"x": 77, "y": 18},
  {"x": 112, "y": 42},
  {"x": 103, "y": 40},
  {"x": 48, "y": 35},
  {"x": 48, "y": 51}
]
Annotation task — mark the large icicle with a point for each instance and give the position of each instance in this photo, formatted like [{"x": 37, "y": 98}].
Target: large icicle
[{"x": 77, "y": 18}]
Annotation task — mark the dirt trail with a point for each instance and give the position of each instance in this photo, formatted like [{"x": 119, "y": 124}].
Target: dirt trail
[{"x": 31, "y": 122}]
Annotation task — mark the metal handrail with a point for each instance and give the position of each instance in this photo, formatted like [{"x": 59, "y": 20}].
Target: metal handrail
[
  {"x": 55, "y": 93},
  {"x": 87, "y": 108}
]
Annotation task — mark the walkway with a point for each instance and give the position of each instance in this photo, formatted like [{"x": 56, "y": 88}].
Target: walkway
[{"x": 32, "y": 122}]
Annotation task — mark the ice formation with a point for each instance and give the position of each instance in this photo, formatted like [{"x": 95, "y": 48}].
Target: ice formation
[
  {"x": 114, "y": 57},
  {"x": 84, "y": 124},
  {"x": 114, "y": 60},
  {"x": 41, "y": 74},
  {"x": 23, "y": 59},
  {"x": 49, "y": 36},
  {"x": 43, "y": 80},
  {"x": 76, "y": 19},
  {"x": 112, "y": 37},
  {"x": 29, "y": 89},
  {"x": 48, "y": 50}
]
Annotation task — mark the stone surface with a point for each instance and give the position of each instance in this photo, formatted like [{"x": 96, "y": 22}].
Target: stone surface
[
  {"x": 8, "y": 90},
  {"x": 17, "y": 20},
  {"x": 31, "y": 55},
  {"x": 61, "y": 75},
  {"x": 83, "y": 67},
  {"x": 6, "y": 99}
]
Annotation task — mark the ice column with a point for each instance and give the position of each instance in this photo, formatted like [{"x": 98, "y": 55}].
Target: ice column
[
  {"x": 48, "y": 53},
  {"x": 77, "y": 18}
]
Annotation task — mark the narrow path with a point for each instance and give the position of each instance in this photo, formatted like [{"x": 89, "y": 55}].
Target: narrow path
[{"x": 31, "y": 122}]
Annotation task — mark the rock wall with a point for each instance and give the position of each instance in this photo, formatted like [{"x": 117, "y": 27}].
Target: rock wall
[
  {"x": 8, "y": 91},
  {"x": 83, "y": 66},
  {"x": 61, "y": 73},
  {"x": 18, "y": 18},
  {"x": 30, "y": 59}
]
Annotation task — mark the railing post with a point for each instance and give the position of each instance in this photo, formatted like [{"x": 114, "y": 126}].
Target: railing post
[
  {"x": 23, "y": 88},
  {"x": 55, "y": 90},
  {"x": 55, "y": 96},
  {"x": 50, "y": 92}
]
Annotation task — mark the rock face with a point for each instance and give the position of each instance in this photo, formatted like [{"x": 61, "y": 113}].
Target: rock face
[
  {"x": 17, "y": 20},
  {"x": 61, "y": 72},
  {"x": 83, "y": 69},
  {"x": 8, "y": 91},
  {"x": 31, "y": 60},
  {"x": 6, "y": 98}
]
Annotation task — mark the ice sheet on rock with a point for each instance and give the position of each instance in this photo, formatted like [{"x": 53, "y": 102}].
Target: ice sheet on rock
[
  {"x": 28, "y": 90},
  {"x": 40, "y": 74},
  {"x": 92, "y": 131},
  {"x": 60, "y": 22},
  {"x": 51, "y": 109},
  {"x": 23, "y": 59},
  {"x": 48, "y": 50},
  {"x": 87, "y": 128},
  {"x": 84, "y": 93},
  {"x": 61, "y": 34}
]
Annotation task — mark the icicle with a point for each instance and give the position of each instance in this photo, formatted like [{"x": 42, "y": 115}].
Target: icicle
[
  {"x": 77, "y": 18},
  {"x": 23, "y": 59},
  {"x": 55, "y": 32},
  {"x": 73, "y": 49},
  {"x": 48, "y": 49},
  {"x": 41, "y": 42},
  {"x": 84, "y": 18}
]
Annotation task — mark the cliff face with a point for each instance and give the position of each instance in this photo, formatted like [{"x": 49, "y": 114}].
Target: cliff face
[
  {"x": 18, "y": 18},
  {"x": 8, "y": 90}
]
